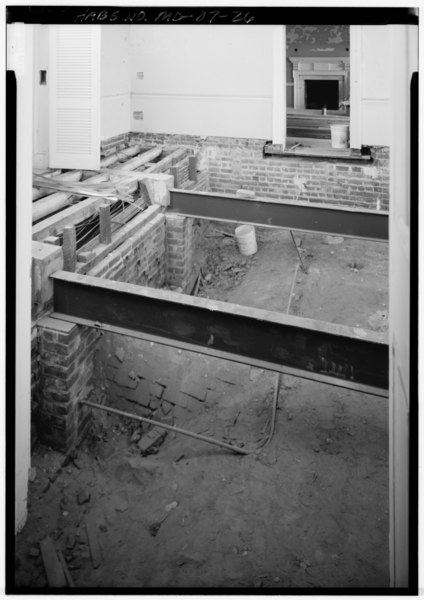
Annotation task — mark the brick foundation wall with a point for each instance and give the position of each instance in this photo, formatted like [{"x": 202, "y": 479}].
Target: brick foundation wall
[
  {"x": 234, "y": 163},
  {"x": 181, "y": 236},
  {"x": 114, "y": 144},
  {"x": 35, "y": 381},
  {"x": 63, "y": 353},
  {"x": 66, "y": 370},
  {"x": 140, "y": 259}
]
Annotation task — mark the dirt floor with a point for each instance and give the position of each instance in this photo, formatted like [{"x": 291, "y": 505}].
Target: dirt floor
[{"x": 309, "y": 510}]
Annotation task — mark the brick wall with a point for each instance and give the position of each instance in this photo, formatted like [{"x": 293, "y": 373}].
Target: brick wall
[
  {"x": 114, "y": 144},
  {"x": 234, "y": 163},
  {"x": 35, "y": 381},
  {"x": 62, "y": 353},
  {"x": 46, "y": 259},
  {"x": 140, "y": 259},
  {"x": 66, "y": 369},
  {"x": 181, "y": 236}
]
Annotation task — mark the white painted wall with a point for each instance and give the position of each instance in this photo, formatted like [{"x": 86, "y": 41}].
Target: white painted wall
[
  {"x": 371, "y": 67},
  {"x": 115, "y": 117},
  {"x": 115, "y": 80},
  {"x": 41, "y": 97},
  {"x": 202, "y": 80},
  {"x": 404, "y": 61},
  {"x": 208, "y": 80},
  {"x": 20, "y": 56}
]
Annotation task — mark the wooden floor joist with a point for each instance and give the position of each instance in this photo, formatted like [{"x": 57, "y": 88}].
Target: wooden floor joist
[
  {"x": 142, "y": 159},
  {"x": 54, "y": 202},
  {"x": 119, "y": 156},
  {"x": 68, "y": 176}
]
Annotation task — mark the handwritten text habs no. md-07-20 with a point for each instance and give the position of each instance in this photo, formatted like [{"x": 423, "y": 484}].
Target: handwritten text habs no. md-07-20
[{"x": 151, "y": 16}]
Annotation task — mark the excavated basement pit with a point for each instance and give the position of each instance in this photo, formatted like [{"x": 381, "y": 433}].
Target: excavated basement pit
[{"x": 309, "y": 511}]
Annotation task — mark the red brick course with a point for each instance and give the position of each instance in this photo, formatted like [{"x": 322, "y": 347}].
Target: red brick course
[{"x": 234, "y": 163}]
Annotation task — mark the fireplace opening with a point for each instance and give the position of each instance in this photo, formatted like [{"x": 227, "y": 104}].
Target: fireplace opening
[{"x": 320, "y": 93}]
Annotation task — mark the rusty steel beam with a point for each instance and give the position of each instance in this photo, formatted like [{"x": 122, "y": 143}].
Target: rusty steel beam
[
  {"x": 267, "y": 212},
  {"x": 345, "y": 356}
]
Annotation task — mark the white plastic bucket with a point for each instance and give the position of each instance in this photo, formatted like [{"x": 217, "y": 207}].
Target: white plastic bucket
[
  {"x": 246, "y": 239},
  {"x": 339, "y": 136}
]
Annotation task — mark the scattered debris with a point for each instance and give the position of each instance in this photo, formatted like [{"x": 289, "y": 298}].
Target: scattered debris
[
  {"x": 120, "y": 354},
  {"x": 179, "y": 457},
  {"x": 136, "y": 437},
  {"x": 121, "y": 506},
  {"x": 379, "y": 321},
  {"x": 155, "y": 526},
  {"x": 32, "y": 474},
  {"x": 298, "y": 145},
  {"x": 150, "y": 442},
  {"x": 226, "y": 233},
  {"x": 34, "y": 552},
  {"x": 356, "y": 265},
  {"x": 171, "y": 506},
  {"x": 70, "y": 541},
  {"x": 241, "y": 193},
  {"x": 333, "y": 239},
  {"x": 194, "y": 558},
  {"x": 83, "y": 496}
]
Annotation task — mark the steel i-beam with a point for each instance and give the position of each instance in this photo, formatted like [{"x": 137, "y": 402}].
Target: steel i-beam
[
  {"x": 267, "y": 212},
  {"x": 337, "y": 354}
]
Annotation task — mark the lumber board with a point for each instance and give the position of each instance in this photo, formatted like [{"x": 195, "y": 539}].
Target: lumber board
[
  {"x": 69, "y": 248},
  {"x": 66, "y": 572},
  {"x": 93, "y": 542},
  {"x": 54, "y": 570},
  {"x": 69, "y": 216}
]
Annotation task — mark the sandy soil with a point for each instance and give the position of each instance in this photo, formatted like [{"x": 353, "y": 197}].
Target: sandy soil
[{"x": 310, "y": 510}]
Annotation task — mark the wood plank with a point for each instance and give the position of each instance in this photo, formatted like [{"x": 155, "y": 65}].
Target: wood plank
[
  {"x": 68, "y": 577},
  {"x": 105, "y": 236},
  {"x": 93, "y": 542},
  {"x": 54, "y": 570},
  {"x": 69, "y": 247},
  {"x": 174, "y": 172},
  {"x": 69, "y": 216}
]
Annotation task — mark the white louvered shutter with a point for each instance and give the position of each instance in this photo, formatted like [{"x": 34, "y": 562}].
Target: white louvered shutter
[{"x": 74, "y": 97}]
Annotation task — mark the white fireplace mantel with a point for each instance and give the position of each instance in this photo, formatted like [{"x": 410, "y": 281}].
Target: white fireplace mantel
[{"x": 319, "y": 68}]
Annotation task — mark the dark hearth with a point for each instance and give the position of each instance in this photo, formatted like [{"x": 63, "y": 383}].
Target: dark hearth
[{"x": 321, "y": 92}]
